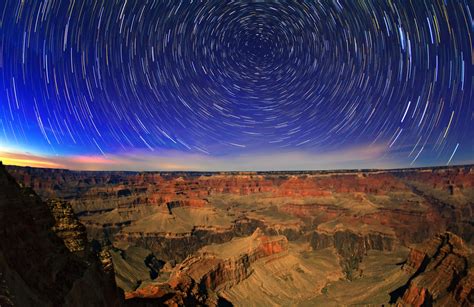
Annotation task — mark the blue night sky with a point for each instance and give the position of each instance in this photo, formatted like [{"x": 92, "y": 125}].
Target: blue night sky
[{"x": 236, "y": 85}]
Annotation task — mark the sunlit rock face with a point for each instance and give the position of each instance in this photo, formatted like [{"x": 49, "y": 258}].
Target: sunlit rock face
[{"x": 441, "y": 273}]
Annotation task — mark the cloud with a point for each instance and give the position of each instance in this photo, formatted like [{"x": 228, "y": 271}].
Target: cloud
[{"x": 356, "y": 157}]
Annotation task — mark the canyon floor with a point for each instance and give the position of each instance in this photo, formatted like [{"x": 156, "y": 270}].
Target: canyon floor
[{"x": 365, "y": 237}]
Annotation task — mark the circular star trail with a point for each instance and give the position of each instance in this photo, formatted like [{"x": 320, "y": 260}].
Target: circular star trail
[{"x": 234, "y": 77}]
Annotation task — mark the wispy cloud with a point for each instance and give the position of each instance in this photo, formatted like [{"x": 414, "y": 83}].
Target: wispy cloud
[{"x": 356, "y": 157}]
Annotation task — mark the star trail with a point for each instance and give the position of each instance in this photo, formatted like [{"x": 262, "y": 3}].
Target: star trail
[{"x": 221, "y": 79}]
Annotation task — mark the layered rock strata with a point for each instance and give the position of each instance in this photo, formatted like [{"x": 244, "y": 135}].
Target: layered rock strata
[
  {"x": 215, "y": 267},
  {"x": 442, "y": 274},
  {"x": 352, "y": 247}
]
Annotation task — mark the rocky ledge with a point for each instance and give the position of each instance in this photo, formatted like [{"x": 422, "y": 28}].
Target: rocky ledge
[
  {"x": 213, "y": 268},
  {"x": 442, "y": 274},
  {"x": 37, "y": 263}
]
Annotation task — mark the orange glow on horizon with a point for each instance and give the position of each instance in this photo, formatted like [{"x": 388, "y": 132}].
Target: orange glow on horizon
[{"x": 29, "y": 162}]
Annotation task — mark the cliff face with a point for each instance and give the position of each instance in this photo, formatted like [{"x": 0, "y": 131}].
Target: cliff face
[
  {"x": 221, "y": 266},
  {"x": 43, "y": 256},
  {"x": 450, "y": 193},
  {"x": 442, "y": 274},
  {"x": 214, "y": 268},
  {"x": 352, "y": 247},
  {"x": 67, "y": 227}
]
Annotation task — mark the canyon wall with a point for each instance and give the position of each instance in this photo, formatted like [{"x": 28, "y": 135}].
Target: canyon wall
[
  {"x": 442, "y": 274},
  {"x": 43, "y": 256}
]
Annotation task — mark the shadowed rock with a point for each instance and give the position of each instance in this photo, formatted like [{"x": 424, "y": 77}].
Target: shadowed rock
[{"x": 43, "y": 256}]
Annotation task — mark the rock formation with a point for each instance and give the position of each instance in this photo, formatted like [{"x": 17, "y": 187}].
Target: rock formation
[
  {"x": 352, "y": 247},
  {"x": 67, "y": 227},
  {"x": 213, "y": 268},
  {"x": 442, "y": 274},
  {"x": 36, "y": 266}
]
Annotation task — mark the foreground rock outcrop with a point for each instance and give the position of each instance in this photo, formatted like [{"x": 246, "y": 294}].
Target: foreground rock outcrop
[
  {"x": 442, "y": 274},
  {"x": 67, "y": 226},
  {"x": 43, "y": 255}
]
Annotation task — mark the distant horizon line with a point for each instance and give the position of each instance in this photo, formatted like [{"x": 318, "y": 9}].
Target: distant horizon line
[{"x": 336, "y": 170}]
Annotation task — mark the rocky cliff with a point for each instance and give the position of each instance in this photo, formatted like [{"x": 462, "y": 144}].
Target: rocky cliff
[
  {"x": 221, "y": 266},
  {"x": 214, "y": 268},
  {"x": 43, "y": 255},
  {"x": 352, "y": 247},
  {"x": 67, "y": 226},
  {"x": 442, "y": 274}
]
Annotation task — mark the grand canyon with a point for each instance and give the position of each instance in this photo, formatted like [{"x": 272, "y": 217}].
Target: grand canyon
[
  {"x": 236, "y": 153},
  {"x": 361, "y": 237}
]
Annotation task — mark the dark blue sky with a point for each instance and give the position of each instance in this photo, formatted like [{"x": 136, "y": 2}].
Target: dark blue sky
[{"x": 213, "y": 85}]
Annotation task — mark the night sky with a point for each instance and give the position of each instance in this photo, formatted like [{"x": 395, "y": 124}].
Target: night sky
[{"x": 236, "y": 84}]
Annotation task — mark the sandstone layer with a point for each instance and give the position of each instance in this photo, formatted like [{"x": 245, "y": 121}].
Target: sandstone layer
[{"x": 442, "y": 274}]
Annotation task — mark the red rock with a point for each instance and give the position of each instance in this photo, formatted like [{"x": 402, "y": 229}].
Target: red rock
[{"x": 441, "y": 273}]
